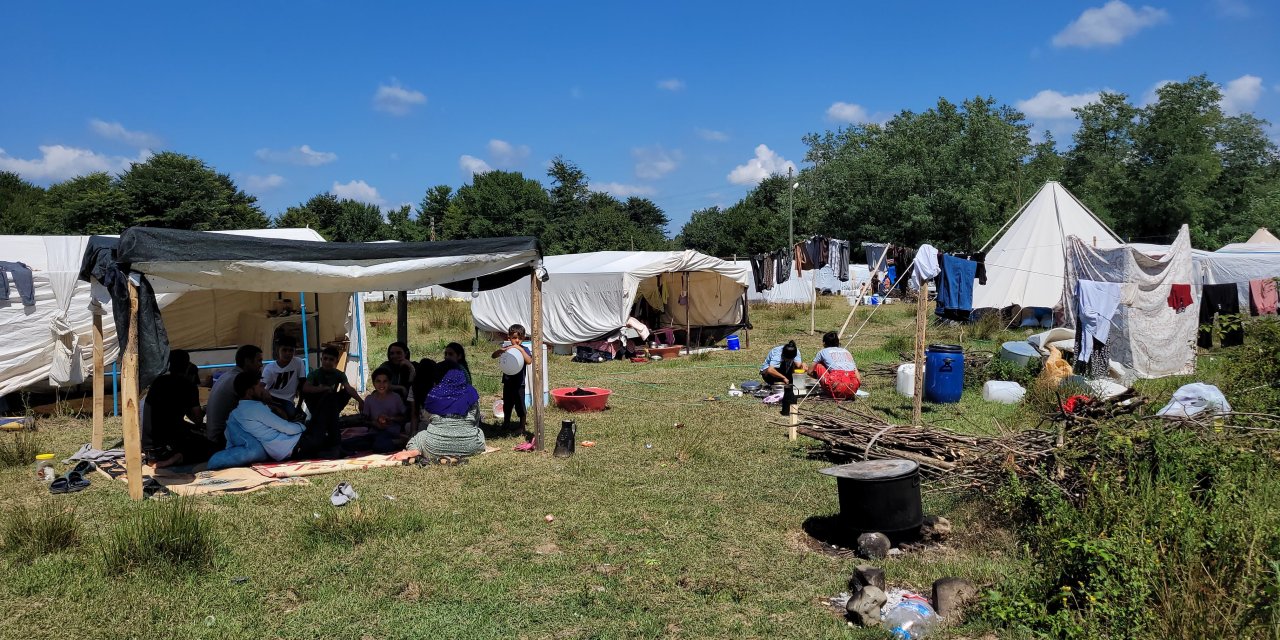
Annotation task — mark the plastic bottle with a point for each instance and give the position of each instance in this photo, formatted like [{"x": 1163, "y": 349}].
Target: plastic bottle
[{"x": 911, "y": 619}]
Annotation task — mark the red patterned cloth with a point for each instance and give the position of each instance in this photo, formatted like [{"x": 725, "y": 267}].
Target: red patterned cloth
[
  {"x": 1180, "y": 296},
  {"x": 840, "y": 384},
  {"x": 1074, "y": 402}
]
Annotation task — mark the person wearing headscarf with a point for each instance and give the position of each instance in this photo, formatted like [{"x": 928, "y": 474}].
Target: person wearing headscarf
[{"x": 454, "y": 427}]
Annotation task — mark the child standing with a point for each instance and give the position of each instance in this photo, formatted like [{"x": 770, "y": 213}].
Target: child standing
[
  {"x": 283, "y": 376},
  {"x": 513, "y": 384}
]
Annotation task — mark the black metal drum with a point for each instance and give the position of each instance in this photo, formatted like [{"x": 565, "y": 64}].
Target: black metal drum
[{"x": 879, "y": 495}]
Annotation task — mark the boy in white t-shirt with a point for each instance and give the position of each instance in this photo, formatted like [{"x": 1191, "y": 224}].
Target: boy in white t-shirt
[{"x": 283, "y": 375}]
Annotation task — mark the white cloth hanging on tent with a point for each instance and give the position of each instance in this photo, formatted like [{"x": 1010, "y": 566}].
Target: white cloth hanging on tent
[
  {"x": 925, "y": 266},
  {"x": 1098, "y": 303},
  {"x": 67, "y": 365}
]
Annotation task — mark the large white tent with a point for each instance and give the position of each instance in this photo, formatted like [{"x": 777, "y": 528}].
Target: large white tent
[
  {"x": 590, "y": 296},
  {"x": 1026, "y": 265},
  {"x": 50, "y": 344}
]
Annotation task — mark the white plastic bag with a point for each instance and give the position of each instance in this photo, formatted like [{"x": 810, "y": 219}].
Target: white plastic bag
[{"x": 1191, "y": 399}]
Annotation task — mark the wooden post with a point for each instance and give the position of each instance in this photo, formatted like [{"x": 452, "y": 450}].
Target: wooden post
[
  {"x": 813, "y": 304},
  {"x": 795, "y": 420},
  {"x": 922, "y": 303},
  {"x": 402, "y": 316},
  {"x": 746, "y": 313},
  {"x": 535, "y": 304},
  {"x": 99, "y": 381},
  {"x": 129, "y": 407}
]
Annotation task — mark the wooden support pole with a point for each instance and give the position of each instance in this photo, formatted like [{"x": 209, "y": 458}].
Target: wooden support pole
[
  {"x": 813, "y": 304},
  {"x": 795, "y": 420},
  {"x": 688, "y": 317},
  {"x": 402, "y": 316},
  {"x": 99, "y": 381},
  {"x": 535, "y": 313},
  {"x": 129, "y": 408},
  {"x": 922, "y": 304}
]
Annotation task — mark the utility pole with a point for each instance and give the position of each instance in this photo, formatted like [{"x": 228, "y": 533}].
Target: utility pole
[{"x": 791, "y": 211}]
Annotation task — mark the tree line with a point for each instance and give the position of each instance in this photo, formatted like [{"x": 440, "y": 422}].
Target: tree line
[{"x": 950, "y": 175}]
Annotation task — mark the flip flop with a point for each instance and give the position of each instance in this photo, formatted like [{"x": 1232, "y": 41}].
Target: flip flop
[
  {"x": 60, "y": 485},
  {"x": 76, "y": 481},
  {"x": 524, "y": 446}
]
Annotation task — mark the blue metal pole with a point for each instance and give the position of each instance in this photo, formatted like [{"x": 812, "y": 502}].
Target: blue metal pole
[
  {"x": 359, "y": 314},
  {"x": 115, "y": 390},
  {"x": 306, "y": 360}
]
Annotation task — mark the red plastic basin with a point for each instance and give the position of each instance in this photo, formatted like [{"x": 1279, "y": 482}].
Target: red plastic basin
[{"x": 597, "y": 401}]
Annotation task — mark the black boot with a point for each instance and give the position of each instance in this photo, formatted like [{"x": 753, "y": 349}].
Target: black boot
[{"x": 566, "y": 441}]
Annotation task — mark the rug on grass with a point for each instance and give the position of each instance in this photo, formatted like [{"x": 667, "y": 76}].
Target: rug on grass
[
  {"x": 297, "y": 468},
  {"x": 198, "y": 483}
]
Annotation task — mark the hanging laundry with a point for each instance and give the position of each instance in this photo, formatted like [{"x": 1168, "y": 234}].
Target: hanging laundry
[
  {"x": 811, "y": 250},
  {"x": 783, "y": 260},
  {"x": 1180, "y": 297},
  {"x": 757, "y": 271},
  {"x": 955, "y": 288},
  {"x": 769, "y": 267},
  {"x": 842, "y": 267},
  {"x": 802, "y": 260},
  {"x": 1220, "y": 307},
  {"x": 1262, "y": 296},
  {"x": 875, "y": 250},
  {"x": 22, "y": 281},
  {"x": 925, "y": 265},
  {"x": 1096, "y": 305}
]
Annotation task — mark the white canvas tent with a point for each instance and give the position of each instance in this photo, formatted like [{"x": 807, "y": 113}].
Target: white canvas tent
[
  {"x": 590, "y": 296},
  {"x": 50, "y": 344},
  {"x": 1026, "y": 265},
  {"x": 1262, "y": 241}
]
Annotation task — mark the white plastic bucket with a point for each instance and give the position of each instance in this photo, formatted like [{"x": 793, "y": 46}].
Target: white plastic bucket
[
  {"x": 906, "y": 382},
  {"x": 1003, "y": 392}
]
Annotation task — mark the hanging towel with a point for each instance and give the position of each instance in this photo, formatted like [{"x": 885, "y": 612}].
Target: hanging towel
[
  {"x": 1096, "y": 305},
  {"x": 1262, "y": 293},
  {"x": 955, "y": 287},
  {"x": 22, "y": 281},
  {"x": 1219, "y": 300},
  {"x": 925, "y": 265},
  {"x": 1180, "y": 297}
]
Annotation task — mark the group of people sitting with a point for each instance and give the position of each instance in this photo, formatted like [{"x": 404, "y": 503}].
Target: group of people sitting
[
  {"x": 276, "y": 412},
  {"x": 833, "y": 367}
]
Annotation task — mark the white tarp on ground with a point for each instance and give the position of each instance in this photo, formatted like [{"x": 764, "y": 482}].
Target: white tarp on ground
[
  {"x": 1026, "y": 266},
  {"x": 195, "y": 319},
  {"x": 591, "y": 295},
  {"x": 1147, "y": 336}
]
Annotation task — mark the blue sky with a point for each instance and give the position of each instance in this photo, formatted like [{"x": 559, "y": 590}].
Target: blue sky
[{"x": 686, "y": 103}]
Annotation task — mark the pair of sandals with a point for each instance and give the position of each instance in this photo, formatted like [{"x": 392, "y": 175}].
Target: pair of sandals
[{"x": 73, "y": 480}]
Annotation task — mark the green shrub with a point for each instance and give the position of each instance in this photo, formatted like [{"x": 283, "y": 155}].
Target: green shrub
[
  {"x": 33, "y": 532},
  {"x": 19, "y": 448},
  {"x": 1251, "y": 373},
  {"x": 1153, "y": 532},
  {"x": 988, "y": 326},
  {"x": 171, "y": 534},
  {"x": 899, "y": 343}
]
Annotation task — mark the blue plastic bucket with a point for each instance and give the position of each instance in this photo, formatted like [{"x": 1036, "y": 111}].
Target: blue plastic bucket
[
  {"x": 943, "y": 372},
  {"x": 731, "y": 343}
]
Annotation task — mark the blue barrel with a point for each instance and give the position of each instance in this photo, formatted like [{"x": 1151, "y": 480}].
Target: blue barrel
[
  {"x": 731, "y": 343},
  {"x": 943, "y": 372}
]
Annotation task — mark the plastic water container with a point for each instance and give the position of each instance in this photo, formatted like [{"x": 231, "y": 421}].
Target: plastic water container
[
  {"x": 1003, "y": 392},
  {"x": 943, "y": 373},
  {"x": 731, "y": 343},
  {"x": 906, "y": 381},
  {"x": 911, "y": 619}
]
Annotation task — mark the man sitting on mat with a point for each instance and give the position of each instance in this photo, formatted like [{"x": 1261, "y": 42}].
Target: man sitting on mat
[
  {"x": 172, "y": 421},
  {"x": 254, "y": 432},
  {"x": 327, "y": 392},
  {"x": 835, "y": 369}
]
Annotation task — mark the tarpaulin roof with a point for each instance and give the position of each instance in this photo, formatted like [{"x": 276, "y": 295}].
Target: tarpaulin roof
[{"x": 221, "y": 261}]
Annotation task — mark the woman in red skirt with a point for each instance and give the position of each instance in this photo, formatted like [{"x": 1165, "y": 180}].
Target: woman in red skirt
[{"x": 835, "y": 369}]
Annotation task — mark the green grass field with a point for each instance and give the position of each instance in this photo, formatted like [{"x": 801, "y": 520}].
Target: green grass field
[{"x": 659, "y": 531}]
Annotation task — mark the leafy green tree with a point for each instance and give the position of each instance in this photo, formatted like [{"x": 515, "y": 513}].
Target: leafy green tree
[
  {"x": 181, "y": 192},
  {"x": 359, "y": 222},
  {"x": 403, "y": 228},
  {"x": 299, "y": 217},
  {"x": 650, "y": 222},
  {"x": 495, "y": 204},
  {"x": 434, "y": 207},
  {"x": 21, "y": 206},
  {"x": 1098, "y": 169},
  {"x": 86, "y": 205}
]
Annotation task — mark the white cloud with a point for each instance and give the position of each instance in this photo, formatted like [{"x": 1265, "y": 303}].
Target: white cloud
[
  {"x": 397, "y": 100},
  {"x": 1050, "y": 104},
  {"x": 766, "y": 163},
  {"x": 116, "y": 131},
  {"x": 1241, "y": 94},
  {"x": 303, "y": 155},
  {"x": 357, "y": 190},
  {"x": 505, "y": 154},
  {"x": 712, "y": 135},
  {"x": 623, "y": 190},
  {"x": 1153, "y": 94},
  {"x": 654, "y": 162},
  {"x": 58, "y": 162},
  {"x": 473, "y": 165},
  {"x": 258, "y": 184},
  {"x": 847, "y": 112},
  {"x": 1233, "y": 8},
  {"x": 671, "y": 84},
  {"x": 1108, "y": 25}
]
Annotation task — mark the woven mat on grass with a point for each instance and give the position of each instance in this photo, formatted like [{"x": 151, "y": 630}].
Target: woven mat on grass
[{"x": 200, "y": 483}]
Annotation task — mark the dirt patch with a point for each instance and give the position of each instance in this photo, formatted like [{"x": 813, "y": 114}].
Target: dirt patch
[{"x": 546, "y": 548}]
